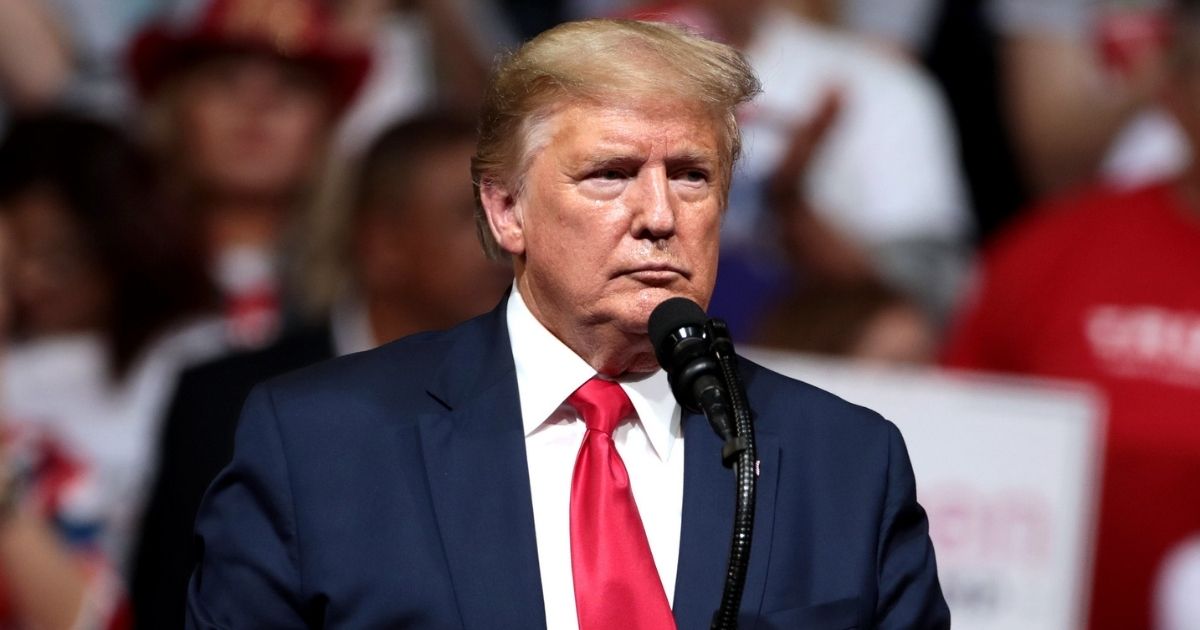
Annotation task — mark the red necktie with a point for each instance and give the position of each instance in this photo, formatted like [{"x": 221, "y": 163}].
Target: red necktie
[{"x": 616, "y": 582}]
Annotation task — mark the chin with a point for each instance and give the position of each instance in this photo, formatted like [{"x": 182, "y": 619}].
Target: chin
[
  {"x": 644, "y": 366},
  {"x": 634, "y": 314},
  {"x": 649, "y": 299}
]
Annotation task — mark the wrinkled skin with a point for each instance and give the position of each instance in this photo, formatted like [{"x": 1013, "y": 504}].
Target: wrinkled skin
[{"x": 619, "y": 211}]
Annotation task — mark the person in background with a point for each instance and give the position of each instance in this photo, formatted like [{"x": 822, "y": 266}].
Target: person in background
[
  {"x": 425, "y": 54},
  {"x": 839, "y": 306},
  {"x": 390, "y": 254},
  {"x": 401, "y": 256},
  {"x": 68, "y": 55},
  {"x": 242, "y": 97},
  {"x": 864, "y": 321},
  {"x": 1100, "y": 286},
  {"x": 1079, "y": 84},
  {"x": 963, "y": 57},
  {"x": 35, "y": 60},
  {"x": 900, "y": 27},
  {"x": 45, "y": 581},
  {"x": 104, "y": 304},
  {"x": 53, "y": 572}
]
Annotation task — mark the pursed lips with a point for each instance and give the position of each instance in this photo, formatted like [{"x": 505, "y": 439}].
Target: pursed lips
[{"x": 655, "y": 272}]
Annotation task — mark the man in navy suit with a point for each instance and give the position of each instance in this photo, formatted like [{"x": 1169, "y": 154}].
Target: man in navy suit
[{"x": 530, "y": 468}]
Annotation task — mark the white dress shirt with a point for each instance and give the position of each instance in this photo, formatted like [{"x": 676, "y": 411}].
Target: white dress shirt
[{"x": 651, "y": 446}]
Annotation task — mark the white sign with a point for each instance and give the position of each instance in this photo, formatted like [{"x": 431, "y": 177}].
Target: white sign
[{"x": 1007, "y": 470}]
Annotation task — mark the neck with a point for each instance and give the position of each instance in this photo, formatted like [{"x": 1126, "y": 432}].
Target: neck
[
  {"x": 244, "y": 222},
  {"x": 638, "y": 359},
  {"x": 391, "y": 318},
  {"x": 601, "y": 344}
]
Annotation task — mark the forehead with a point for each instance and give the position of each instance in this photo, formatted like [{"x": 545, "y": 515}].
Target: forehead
[
  {"x": 434, "y": 173},
  {"x": 579, "y": 129},
  {"x": 222, "y": 65}
]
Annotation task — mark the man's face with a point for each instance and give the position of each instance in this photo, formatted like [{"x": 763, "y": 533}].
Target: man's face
[
  {"x": 620, "y": 210},
  {"x": 419, "y": 247}
]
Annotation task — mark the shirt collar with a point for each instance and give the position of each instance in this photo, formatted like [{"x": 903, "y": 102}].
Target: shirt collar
[{"x": 548, "y": 372}]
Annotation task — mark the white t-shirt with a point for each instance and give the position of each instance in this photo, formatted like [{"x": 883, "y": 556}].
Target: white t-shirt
[
  {"x": 62, "y": 385},
  {"x": 888, "y": 169}
]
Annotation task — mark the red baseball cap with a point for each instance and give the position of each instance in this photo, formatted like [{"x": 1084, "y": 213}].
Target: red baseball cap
[{"x": 295, "y": 30}]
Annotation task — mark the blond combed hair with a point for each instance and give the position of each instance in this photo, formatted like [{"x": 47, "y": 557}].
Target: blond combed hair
[{"x": 602, "y": 60}]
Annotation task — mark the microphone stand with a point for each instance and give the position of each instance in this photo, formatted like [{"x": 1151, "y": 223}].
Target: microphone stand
[{"x": 738, "y": 453}]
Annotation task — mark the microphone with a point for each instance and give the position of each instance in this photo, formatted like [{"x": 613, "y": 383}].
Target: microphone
[
  {"x": 698, "y": 356},
  {"x": 677, "y": 331}
]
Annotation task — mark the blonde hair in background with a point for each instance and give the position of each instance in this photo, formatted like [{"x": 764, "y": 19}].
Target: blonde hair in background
[
  {"x": 316, "y": 232},
  {"x": 162, "y": 132},
  {"x": 599, "y": 61},
  {"x": 319, "y": 268}
]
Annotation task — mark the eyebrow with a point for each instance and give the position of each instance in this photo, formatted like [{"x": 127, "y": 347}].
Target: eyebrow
[
  {"x": 601, "y": 160},
  {"x": 692, "y": 157},
  {"x": 594, "y": 162}
]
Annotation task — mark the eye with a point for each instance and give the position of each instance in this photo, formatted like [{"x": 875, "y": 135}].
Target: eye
[
  {"x": 606, "y": 181},
  {"x": 300, "y": 79},
  {"x": 692, "y": 176},
  {"x": 609, "y": 174}
]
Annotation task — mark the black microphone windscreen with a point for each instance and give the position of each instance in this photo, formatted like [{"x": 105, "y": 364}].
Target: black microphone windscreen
[{"x": 668, "y": 317}]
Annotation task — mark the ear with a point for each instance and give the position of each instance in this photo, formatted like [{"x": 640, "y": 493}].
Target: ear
[{"x": 504, "y": 216}]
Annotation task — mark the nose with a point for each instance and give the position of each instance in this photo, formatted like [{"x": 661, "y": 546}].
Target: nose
[
  {"x": 258, "y": 84},
  {"x": 652, "y": 205}
]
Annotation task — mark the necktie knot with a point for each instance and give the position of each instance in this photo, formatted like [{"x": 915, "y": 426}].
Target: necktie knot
[{"x": 603, "y": 404}]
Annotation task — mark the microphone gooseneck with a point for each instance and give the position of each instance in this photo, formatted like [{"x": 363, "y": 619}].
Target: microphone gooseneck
[{"x": 697, "y": 353}]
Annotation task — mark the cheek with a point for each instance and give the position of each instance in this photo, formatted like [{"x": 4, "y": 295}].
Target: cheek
[
  {"x": 299, "y": 124},
  {"x": 61, "y": 303},
  {"x": 701, "y": 227},
  {"x": 206, "y": 135},
  {"x": 560, "y": 224},
  {"x": 206, "y": 110},
  {"x": 587, "y": 236},
  {"x": 557, "y": 261},
  {"x": 196, "y": 123}
]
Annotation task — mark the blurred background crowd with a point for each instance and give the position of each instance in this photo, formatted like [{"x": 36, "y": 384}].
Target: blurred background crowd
[{"x": 196, "y": 195}]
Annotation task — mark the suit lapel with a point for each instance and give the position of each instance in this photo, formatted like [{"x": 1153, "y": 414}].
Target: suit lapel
[
  {"x": 708, "y": 504},
  {"x": 478, "y": 476}
]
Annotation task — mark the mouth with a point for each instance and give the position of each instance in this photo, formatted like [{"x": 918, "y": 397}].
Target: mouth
[{"x": 656, "y": 274}]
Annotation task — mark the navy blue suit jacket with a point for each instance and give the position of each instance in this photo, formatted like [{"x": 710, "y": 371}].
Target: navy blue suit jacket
[{"x": 389, "y": 489}]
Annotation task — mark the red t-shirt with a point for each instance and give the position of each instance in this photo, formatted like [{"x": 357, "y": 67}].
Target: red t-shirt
[{"x": 1104, "y": 286}]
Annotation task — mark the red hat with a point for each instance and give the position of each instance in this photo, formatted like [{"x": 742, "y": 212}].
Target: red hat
[{"x": 297, "y": 30}]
